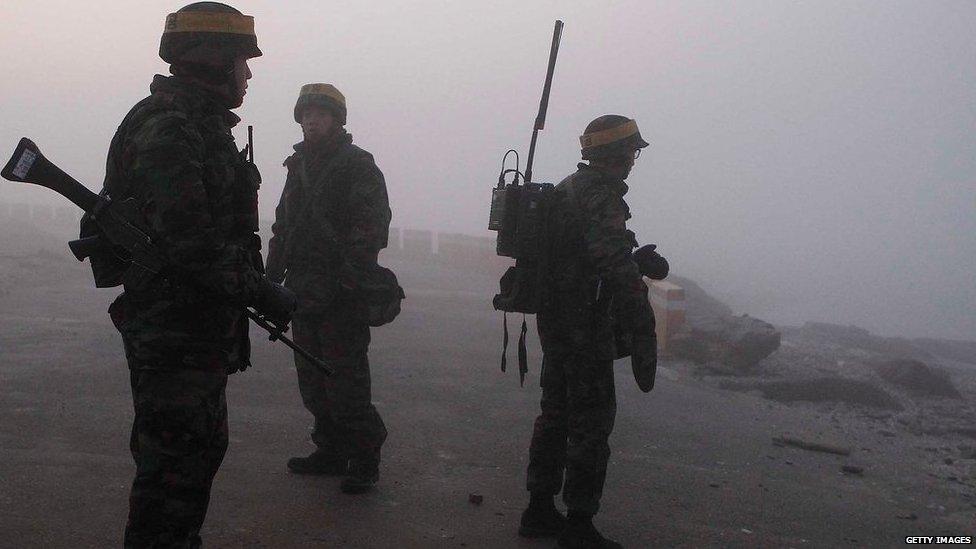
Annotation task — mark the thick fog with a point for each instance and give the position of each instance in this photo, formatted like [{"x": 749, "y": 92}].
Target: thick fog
[{"x": 808, "y": 161}]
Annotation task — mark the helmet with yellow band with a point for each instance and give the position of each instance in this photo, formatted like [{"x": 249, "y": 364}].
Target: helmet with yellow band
[
  {"x": 322, "y": 95},
  {"x": 609, "y": 136},
  {"x": 208, "y": 33}
]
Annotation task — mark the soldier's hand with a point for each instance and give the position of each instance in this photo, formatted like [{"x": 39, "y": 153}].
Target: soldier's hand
[
  {"x": 650, "y": 263},
  {"x": 275, "y": 302}
]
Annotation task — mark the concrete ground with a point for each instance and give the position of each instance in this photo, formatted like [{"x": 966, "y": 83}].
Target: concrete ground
[{"x": 692, "y": 465}]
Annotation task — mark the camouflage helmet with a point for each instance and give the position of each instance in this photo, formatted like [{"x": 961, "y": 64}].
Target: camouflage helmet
[
  {"x": 610, "y": 135},
  {"x": 208, "y": 33},
  {"x": 322, "y": 95}
]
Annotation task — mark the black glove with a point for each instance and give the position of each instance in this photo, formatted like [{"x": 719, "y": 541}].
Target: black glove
[
  {"x": 650, "y": 263},
  {"x": 643, "y": 355},
  {"x": 275, "y": 302}
]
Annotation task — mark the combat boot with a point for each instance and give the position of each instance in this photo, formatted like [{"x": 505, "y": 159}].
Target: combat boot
[
  {"x": 319, "y": 462},
  {"x": 581, "y": 534},
  {"x": 361, "y": 476},
  {"x": 541, "y": 519}
]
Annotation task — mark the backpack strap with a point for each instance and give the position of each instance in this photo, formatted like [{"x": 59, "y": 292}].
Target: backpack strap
[
  {"x": 523, "y": 355},
  {"x": 504, "y": 340}
]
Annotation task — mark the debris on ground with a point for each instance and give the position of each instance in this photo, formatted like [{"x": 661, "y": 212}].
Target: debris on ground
[
  {"x": 852, "y": 470},
  {"x": 813, "y": 446}
]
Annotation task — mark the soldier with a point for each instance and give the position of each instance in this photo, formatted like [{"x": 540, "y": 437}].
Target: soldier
[
  {"x": 185, "y": 331},
  {"x": 331, "y": 222},
  {"x": 596, "y": 288}
]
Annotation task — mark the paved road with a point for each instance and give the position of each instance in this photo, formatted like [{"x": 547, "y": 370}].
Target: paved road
[{"x": 692, "y": 465}]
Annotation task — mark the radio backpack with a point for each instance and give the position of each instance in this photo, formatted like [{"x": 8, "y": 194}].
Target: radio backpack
[{"x": 520, "y": 215}]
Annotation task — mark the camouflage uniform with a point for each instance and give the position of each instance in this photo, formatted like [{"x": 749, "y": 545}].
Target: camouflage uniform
[
  {"x": 175, "y": 156},
  {"x": 594, "y": 283},
  {"x": 314, "y": 250}
]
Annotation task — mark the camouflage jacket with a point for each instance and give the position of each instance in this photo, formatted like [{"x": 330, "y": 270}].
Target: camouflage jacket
[
  {"x": 175, "y": 155},
  {"x": 594, "y": 282},
  {"x": 333, "y": 217}
]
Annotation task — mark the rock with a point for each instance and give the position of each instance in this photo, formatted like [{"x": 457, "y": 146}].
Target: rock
[
  {"x": 737, "y": 342},
  {"x": 857, "y": 338},
  {"x": 715, "y": 335},
  {"x": 852, "y": 470},
  {"x": 476, "y": 499},
  {"x": 962, "y": 351},
  {"x": 827, "y": 389},
  {"x": 915, "y": 377},
  {"x": 698, "y": 303}
]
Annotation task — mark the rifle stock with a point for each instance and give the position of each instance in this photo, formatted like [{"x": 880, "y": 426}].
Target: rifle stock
[{"x": 28, "y": 165}]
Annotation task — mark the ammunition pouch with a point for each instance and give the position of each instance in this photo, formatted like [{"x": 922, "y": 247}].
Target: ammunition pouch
[{"x": 377, "y": 294}]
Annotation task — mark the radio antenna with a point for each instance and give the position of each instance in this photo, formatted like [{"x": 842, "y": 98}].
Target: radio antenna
[{"x": 540, "y": 120}]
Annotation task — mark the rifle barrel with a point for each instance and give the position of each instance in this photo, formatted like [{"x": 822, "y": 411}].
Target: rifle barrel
[{"x": 276, "y": 334}]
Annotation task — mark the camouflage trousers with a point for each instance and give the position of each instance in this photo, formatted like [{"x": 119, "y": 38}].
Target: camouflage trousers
[
  {"x": 346, "y": 422},
  {"x": 570, "y": 435},
  {"x": 179, "y": 437}
]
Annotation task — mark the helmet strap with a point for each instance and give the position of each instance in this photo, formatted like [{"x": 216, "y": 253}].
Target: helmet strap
[
  {"x": 219, "y": 80},
  {"x": 610, "y": 161}
]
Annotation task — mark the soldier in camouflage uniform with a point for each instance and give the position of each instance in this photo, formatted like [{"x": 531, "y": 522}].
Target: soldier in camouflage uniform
[
  {"x": 331, "y": 222},
  {"x": 185, "y": 331},
  {"x": 595, "y": 285}
]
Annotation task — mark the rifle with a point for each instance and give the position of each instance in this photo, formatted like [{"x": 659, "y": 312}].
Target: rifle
[{"x": 120, "y": 225}]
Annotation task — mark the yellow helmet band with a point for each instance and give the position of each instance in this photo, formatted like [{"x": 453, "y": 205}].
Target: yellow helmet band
[
  {"x": 610, "y": 135},
  {"x": 327, "y": 90},
  {"x": 198, "y": 21}
]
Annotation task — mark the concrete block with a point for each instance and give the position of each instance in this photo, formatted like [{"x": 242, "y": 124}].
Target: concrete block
[{"x": 668, "y": 301}]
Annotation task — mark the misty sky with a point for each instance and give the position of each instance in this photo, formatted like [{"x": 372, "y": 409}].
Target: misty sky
[{"x": 808, "y": 161}]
